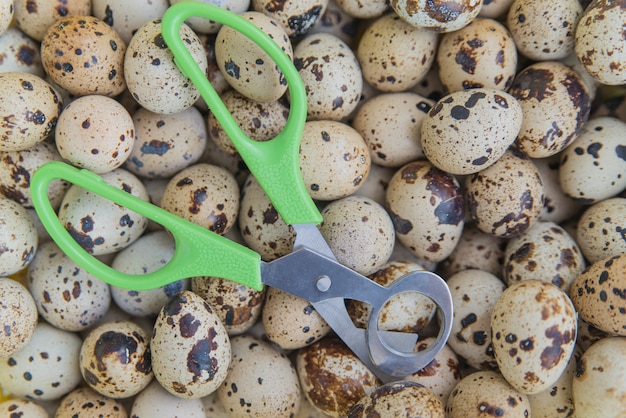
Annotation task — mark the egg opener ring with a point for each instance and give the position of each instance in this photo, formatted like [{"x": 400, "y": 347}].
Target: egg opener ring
[{"x": 311, "y": 271}]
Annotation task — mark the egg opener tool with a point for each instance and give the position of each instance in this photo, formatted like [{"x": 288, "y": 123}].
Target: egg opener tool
[{"x": 311, "y": 271}]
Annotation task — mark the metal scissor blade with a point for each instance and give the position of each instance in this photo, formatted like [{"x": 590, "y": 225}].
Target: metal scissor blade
[{"x": 307, "y": 235}]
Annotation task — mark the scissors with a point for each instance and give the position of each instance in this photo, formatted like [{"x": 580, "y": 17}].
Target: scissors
[{"x": 322, "y": 280}]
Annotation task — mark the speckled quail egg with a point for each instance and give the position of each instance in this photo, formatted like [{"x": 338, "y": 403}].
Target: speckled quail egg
[
  {"x": 85, "y": 401},
  {"x": 482, "y": 54},
  {"x": 362, "y": 9},
  {"x": 599, "y": 230},
  {"x": 18, "y": 316},
  {"x": 600, "y": 380},
  {"x": 376, "y": 183},
  {"x": 18, "y": 237},
  {"x": 17, "y": 168},
  {"x": 506, "y": 198},
  {"x": 151, "y": 75},
  {"x": 427, "y": 209},
  {"x": 34, "y": 17},
  {"x": 455, "y": 129},
  {"x": 533, "y": 328},
  {"x": 332, "y": 377},
  {"x": 23, "y": 408},
  {"x": 391, "y": 126},
  {"x": 592, "y": 167},
  {"x": 115, "y": 359},
  {"x": 557, "y": 206},
  {"x": 296, "y": 17},
  {"x": 337, "y": 21},
  {"x": 486, "y": 393},
  {"x": 334, "y": 159},
  {"x": 437, "y": 15},
  {"x": 46, "y": 368},
  {"x": 190, "y": 347},
  {"x": 6, "y": 14},
  {"x": 555, "y": 103},
  {"x": 99, "y": 225},
  {"x": 331, "y": 74},
  {"x": 95, "y": 132},
  {"x": 494, "y": 8},
  {"x": 599, "y": 295},
  {"x": 126, "y": 17},
  {"x": 19, "y": 52},
  {"x": 29, "y": 108},
  {"x": 395, "y": 56},
  {"x": 359, "y": 232},
  {"x": 204, "y": 194},
  {"x": 544, "y": 252},
  {"x": 238, "y": 306},
  {"x": 474, "y": 294},
  {"x": 84, "y": 55},
  {"x": 291, "y": 322},
  {"x": 66, "y": 295},
  {"x": 202, "y": 25},
  {"x": 599, "y": 44},
  {"x": 154, "y": 401},
  {"x": 402, "y": 398},
  {"x": 261, "y": 381},
  {"x": 245, "y": 66}
]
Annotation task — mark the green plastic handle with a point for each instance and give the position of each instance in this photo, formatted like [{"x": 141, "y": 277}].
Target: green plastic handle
[
  {"x": 198, "y": 252},
  {"x": 274, "y": 163}
]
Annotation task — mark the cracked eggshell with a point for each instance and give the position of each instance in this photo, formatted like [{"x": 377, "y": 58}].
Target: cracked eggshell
[
  {"x": 482, "y": 54},
  {"x": 296, "y": 17},
  {"x": 18, "y": 316},
  {"x": 403, "y": 398},
  {"x": 331, "y": 74},
  {"x": 389, "y": 39},
  {"x": 427, "y": 209},
  {"x": 599, "y": 230},
  {"x": 18, "y": 237},
  {"x": 533, "y": 328},
  {"x": 469, "y": 130},
  {"x": 437, "y": 15},
  {"x": 261, "y": 381},
  {"x": 245, "y": 66},
  {"x": 191, "y": 350},
  {"x": 19, "y": 51}
]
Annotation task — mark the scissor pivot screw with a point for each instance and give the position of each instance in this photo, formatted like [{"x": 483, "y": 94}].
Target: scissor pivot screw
[{"x": 323, "y": 283}]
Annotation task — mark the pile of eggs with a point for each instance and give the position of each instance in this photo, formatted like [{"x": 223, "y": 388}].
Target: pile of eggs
[{"x": 482, "y": 140}]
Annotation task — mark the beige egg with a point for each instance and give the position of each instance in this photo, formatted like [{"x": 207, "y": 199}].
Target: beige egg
[
  {"x": 20, "y": 52},
  {"x": 363, "y": 9},
  {"x": 332, "y": 377},
  {"x": 600, "y": 380},
  {"x": 599, "y": 295},
  {"x": 30, "y": 108},
  {"x": 334, "y": 159},
  {"x": 204, "y": 194},
  {"x": 291, "y": 322},
  {"x": 506, "y": 198},
  {"x": 438, "y": 15},
  {"x": 359, "y": 232},
  {"x": 599, "y": 232},
  {"x": 455, "y": 130},
  {"x": 592, "y": 167},
  {"x": 151, "y": 75},
  {"x": 261, "y": 381},
  {"x": 296, "y": 17},
  {"x": 474, "y": 295},
  {"x": 191, "y": 351},
  {"x": 155, "y": 401},
  {"x": 598, "y": 42},
  {"x": 555, "y": 103},
  {"x": 25, "y": 407},
  {"x": 394, "y": 55},
  {"x": 34, "y": 17},
  {"x": 482, "y": 54},
  {"x": 238, "y": 306},
  {"x": 126, "y": 17},
  {"x": 391, "y": 126},
  {"x": 557, "y": 206},
  {"x": 166, "y": 144},
  {"x": 18, "y": 316},
  {"x": 84, "y": 56},
  {"x": 533, "y": 328},
  {"x": 485, "y": 393},
  {"x": 427, "y": 209},
  {"x": 331, "y": 74},
  {"x": 375, "y": 185},
  {"x": 544, "y": 33},
  {"x": 202, "y": 25},
  {"x": 544, "y": 252},
  {"x": 494, "y": 8},
  {"x": 245, "y": 66},
  {"x": 18, "y": 237},
  {"x": 84, "y": 401},
  {"x": 403, "y": 398},
  {"x": 6, "y": 14}
]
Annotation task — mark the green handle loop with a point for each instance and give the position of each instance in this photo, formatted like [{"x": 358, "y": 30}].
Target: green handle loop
[
  {"x": 274, "y": 163},
  {"x": 199, "y": 252}
]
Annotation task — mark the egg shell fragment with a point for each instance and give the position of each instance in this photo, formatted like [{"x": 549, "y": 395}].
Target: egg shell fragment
[
  {"x": 18, "y": 316},
  {"x": 403, "y": 398},
  {"x": 533, "y": 328},
  {"x": 188, "y": 328}
]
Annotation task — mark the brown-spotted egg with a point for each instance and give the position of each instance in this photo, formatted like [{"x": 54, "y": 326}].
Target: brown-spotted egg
[
  {"x": 126, "y": 17},
  {"x": 18, "y": 316},
  {"x": 533, "y": 328},
  {"x": 403, "y": 398},
  {"x": 34, "y": 17},
  {"x": 296, "y": 17},
  {"x": 427, "y": 209},
  {"x": 362, "y": 9},
  {"x": 599, "y": 230},
  {"x": 23, "y": 407},
  {"x": 437, "y": 15},
  {"x": 19, "y": 52},
  {"x": 6, "y": 14},
  {"x": 155, "y": 401},
  {"x": 494, "y": 8},
  {"x": 84, "y": 401},
  {"x": 18, "y": 237}
]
